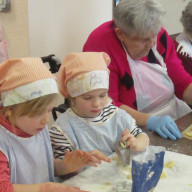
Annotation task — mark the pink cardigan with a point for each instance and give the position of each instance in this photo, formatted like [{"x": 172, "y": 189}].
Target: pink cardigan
[{"x": 121, "y": 88}]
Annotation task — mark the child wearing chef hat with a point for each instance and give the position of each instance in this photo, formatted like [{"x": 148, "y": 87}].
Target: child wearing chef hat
[
  {"x": 92, "y": 123},
  {"x": 28, "y": 93}
]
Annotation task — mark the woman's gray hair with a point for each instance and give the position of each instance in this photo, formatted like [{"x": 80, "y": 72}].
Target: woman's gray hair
[
  {"x": 138, "y": 17},
  {"x": 186, "y": 18}
]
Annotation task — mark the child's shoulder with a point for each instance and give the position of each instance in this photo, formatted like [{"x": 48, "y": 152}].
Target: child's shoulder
[
  {"x": 117, "y": 112},
  {"x": 123, "y": 113}
]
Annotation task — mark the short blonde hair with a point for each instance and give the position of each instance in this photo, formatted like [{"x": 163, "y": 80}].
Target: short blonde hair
[{"x": 30, "y": 108}]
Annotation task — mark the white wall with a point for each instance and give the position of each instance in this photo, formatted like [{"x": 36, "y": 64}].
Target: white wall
[
  {"x": 62, "y": 26},
  {"x": 15, "y": 29},
  {"x": 173, "y": 10}
]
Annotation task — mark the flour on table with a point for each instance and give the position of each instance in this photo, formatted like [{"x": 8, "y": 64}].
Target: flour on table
[{"x": 177, "y": 168}]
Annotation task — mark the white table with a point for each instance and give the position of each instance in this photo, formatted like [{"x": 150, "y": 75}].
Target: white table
[{"x": 100, "y": 179}]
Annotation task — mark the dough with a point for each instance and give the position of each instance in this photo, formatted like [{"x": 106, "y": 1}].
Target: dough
[
  {"x": 108, "y": 184},
  {"x": 163, "y": 175},
  {"x": 170, "y": 164},
  {"x": 187, "y": 133}
]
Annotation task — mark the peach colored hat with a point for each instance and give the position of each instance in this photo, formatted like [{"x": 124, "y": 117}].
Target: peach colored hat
[
  {"x": 25, "y": 79},
  {"x": 83, "y": 72}
]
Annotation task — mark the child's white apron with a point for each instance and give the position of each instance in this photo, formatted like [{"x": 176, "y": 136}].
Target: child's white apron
[{"x": 154, "y": 89}]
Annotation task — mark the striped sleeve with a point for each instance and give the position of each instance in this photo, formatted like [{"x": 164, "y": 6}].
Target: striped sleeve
[
  {"x": 135, "y": 130},
  {"x": 60, "y": 142}
]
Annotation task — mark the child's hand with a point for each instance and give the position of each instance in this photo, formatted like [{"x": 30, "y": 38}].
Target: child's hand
[
  {"x": 130, "y": 139},
  {"x": 97, "y": 157},
  {"x": 75, "y": 160}
]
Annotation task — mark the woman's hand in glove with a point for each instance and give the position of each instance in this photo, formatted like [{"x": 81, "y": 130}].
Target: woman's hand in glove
[{"x": 164, "y": 126}]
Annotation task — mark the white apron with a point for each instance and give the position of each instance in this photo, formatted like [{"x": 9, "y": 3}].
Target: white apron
[{"x": 154, "y": 89}]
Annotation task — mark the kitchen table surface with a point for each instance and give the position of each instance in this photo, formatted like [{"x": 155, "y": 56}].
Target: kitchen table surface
[{"x": 177, "y": 178}]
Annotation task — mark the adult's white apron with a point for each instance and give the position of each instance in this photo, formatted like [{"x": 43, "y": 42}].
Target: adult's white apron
[{"x": 154, "y": 89}]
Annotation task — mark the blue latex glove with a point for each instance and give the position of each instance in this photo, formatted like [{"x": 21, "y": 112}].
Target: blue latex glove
[{"x": 164, "y": 126}]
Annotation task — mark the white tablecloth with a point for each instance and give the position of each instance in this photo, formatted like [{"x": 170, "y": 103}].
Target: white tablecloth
[{"x": 103, "y": 177}]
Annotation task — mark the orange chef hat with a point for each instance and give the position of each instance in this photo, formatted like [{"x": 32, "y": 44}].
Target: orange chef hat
[
  {"x": 83, "y": 72},
  {"x": 25, "y": 79}
]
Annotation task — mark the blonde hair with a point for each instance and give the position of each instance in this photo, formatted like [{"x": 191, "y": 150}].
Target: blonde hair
[{"x": 30, "y": 108}]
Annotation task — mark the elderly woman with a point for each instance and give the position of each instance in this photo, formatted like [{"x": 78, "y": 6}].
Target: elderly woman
[
  {"x": 146, "y": 76},
  {"x": 183, "y": 40}
]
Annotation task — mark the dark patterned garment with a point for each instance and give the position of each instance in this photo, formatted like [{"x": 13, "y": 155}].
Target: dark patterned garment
[{"x": 185, "y": 58}]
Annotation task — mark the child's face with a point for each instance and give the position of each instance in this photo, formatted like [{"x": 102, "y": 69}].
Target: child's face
[
  {"x": 33, "y": 125},
  {"x": 90, "y": 104}
]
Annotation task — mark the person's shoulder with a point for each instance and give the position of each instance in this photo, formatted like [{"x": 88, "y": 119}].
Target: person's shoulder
[
  {"x": 162, "y": 33},
  {"x": 105, "y": 30},
  {"x": 165, "y": 44},
  {"x": 107, "y": 25},
  {"x": 103, "y": 38},
  {"x": 63, "y": 118}
]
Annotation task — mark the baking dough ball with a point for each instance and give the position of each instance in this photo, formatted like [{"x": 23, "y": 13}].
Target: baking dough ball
[
  {"x": 108, "y": 184},
  {"x": 163, "y": 175},
  {"x": 170, "y": 164},
  {"x": 189, "y": 133}
]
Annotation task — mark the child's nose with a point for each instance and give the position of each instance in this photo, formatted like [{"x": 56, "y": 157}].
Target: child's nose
[{"x": 96, "y": 103}]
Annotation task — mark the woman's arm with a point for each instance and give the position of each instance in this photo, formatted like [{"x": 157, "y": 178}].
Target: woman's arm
[
  {"x": 141, "y": 118},
  {"x": 187, "y": 96}
]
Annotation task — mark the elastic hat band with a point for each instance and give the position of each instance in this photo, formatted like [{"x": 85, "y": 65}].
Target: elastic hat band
[{"x": 29, "y": 91}]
